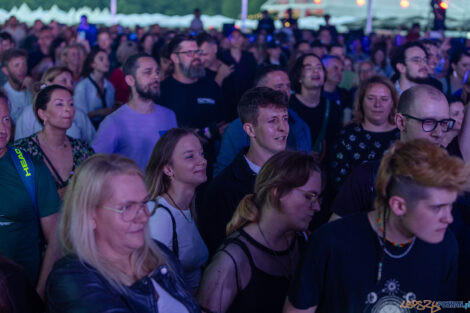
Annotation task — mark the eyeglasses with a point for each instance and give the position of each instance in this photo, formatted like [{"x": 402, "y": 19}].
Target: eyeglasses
[
  {"x": 418, "y": 60},
  {"x": 130, "y": 210},
  {"x": 190, "y": 53},
  {"x": 429, "y": 124},
  {"x": 313, "y": 197}
]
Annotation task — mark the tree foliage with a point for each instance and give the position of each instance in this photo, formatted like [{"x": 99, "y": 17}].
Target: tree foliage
[{"x": 230, "y": 8}]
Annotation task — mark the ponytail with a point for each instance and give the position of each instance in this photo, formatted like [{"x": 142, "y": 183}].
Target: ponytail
[{"x": 246, "y": 212}]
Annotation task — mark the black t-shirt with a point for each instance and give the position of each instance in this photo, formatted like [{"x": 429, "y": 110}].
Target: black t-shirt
[
  {"x": 358, "y": 192},
  {"x": 239, "y": 81},
  {"x": 196, "y": 105},
  {"x": 339, "y": 271},
  {"x": 210, "y": 74},
  {"x": 314, "y": 118}
]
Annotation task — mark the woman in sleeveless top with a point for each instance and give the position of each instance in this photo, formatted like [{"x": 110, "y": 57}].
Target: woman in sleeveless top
[
  {"x": 252, "y": 269},
  {"x": 176, "y": 167}
]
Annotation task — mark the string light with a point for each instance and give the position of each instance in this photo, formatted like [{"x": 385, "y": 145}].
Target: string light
[
  {"x": 404, "y": 3},
  {"x": 317, "y": 1},
  {"x": 360, "y": 2}
]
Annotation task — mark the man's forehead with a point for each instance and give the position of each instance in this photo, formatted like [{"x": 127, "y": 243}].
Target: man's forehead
[
  {"x": 414, "y": 51},
  {"x": 185, "y": 44},
  {"x": 4, "y": 108},
  {"x": 430, "y": 107},
  {"x": 146, "y": 62},
  {"x": 272, "y": 110}
]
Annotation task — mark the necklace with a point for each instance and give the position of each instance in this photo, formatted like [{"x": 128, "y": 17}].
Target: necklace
[
  {"x": 176, "y": 206},
  {"x": 381, "y": 230},
  {"x": 48, "y": 145},
  {"x": 393, "y": 256},
  {"x": 284, "y": 267}
]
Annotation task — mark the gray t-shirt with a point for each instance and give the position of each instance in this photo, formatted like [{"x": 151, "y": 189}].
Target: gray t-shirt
[{"x": 18, "y": 100}]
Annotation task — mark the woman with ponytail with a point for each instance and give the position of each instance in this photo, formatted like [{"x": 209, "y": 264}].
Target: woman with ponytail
[{"x": 252, "y": 269}]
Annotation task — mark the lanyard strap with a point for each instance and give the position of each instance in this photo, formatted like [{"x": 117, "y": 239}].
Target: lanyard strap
[{"x": 25, "y": 168}]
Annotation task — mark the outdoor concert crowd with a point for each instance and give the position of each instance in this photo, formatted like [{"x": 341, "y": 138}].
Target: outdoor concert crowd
[{"x": 199, "y": 170}]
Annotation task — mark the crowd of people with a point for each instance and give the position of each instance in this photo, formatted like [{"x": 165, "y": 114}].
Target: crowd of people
[{"x": 283, "y": 170}]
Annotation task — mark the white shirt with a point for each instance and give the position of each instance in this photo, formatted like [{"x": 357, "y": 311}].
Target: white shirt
[
  {"x": 167, "y": 303},
  {"x": 18, "y": 100},
  {"x": 193, "y": 251},
  {"x": 86, "y": 96},
  {"x": 27, "y": 124},
  {"x": 255, "y": 168}
]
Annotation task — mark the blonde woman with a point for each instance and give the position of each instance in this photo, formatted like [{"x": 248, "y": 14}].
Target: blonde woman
[
  {"x": 252, "y": 270},
  {"x": 177, "y": 166},
  {"x": 28, "y": 124},
  {"x": 111, "y": 264}
]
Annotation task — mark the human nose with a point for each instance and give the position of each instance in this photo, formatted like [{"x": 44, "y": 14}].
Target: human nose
[
  {"x": 283, "y": 125},
  {"x": 142, "y": 214},
  {"x": 447, "y": 218},
  {"x": 316, "y": 205}
]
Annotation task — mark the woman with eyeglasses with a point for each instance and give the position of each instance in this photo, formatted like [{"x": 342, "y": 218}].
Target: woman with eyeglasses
[
  {"x": 111, "y": 264},
  {"x": 176, "y": 168},
  {"x": 251, "y": 271}
]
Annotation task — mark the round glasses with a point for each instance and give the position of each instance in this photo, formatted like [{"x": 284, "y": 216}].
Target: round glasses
[{"x": 429, "y": 124}]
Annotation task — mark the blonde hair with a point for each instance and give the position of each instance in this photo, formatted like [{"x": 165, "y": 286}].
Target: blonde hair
[
  {"x": 407, "y": 169},
  {"x": 156, "y": 180},
  {"x": 283, "y": 172},
  {"x": 89, "y": 187},
  {"x": 49, "y": 76},
  {"x": 358, "y": 109}
]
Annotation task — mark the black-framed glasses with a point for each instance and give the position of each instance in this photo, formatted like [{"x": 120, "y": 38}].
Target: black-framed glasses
[
  {"x": 190, "y": 53},
  {"x": 313, "y": 197},
  {"x": 429, "y": 124},
  {"x": 130, "y": 210}
]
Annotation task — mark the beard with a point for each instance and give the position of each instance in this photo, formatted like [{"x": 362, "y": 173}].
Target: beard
[
  {"x": 148, "y": 94},
  {"x": 417, "y": 80},
  {"x": 194, "y": 70},
  {"x": 16, "y": 80}
]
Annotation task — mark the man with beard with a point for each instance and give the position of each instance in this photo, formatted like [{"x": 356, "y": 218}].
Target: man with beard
[
  {"x": 195, "y": 99},
  {"x": 14, "y": 66},
  {"x": 410, "y": 63},
  {"x": 134, "y": 128}
]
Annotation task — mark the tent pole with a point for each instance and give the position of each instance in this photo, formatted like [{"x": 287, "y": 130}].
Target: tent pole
[{"x": 369, "y": 17}]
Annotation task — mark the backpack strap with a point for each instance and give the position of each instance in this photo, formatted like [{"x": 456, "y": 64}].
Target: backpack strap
[
  {"x": 175, "y": 235},
  {"x": 25, "y": 168},
  {"x": 101, "y": 93}
]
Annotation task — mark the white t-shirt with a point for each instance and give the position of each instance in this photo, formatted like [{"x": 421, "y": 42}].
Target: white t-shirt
[
  {"x": 27, "y": 124},
  {"x": 255, "y": 168},
  {"x": 18, "y": 100},
  {"x": 193, "y": 251},
  {"x": 167, "y": 303}
]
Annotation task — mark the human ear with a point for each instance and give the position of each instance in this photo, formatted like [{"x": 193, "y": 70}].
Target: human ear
[
  {"x": 401, "y": 68},
  {"x": 400, "y": 122},
  {"x": 249, "y": 130},
  {"x": 130, "y": 80},
  {"x": 168, "y": 171},
  {"x": 398, "y": 205}
]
